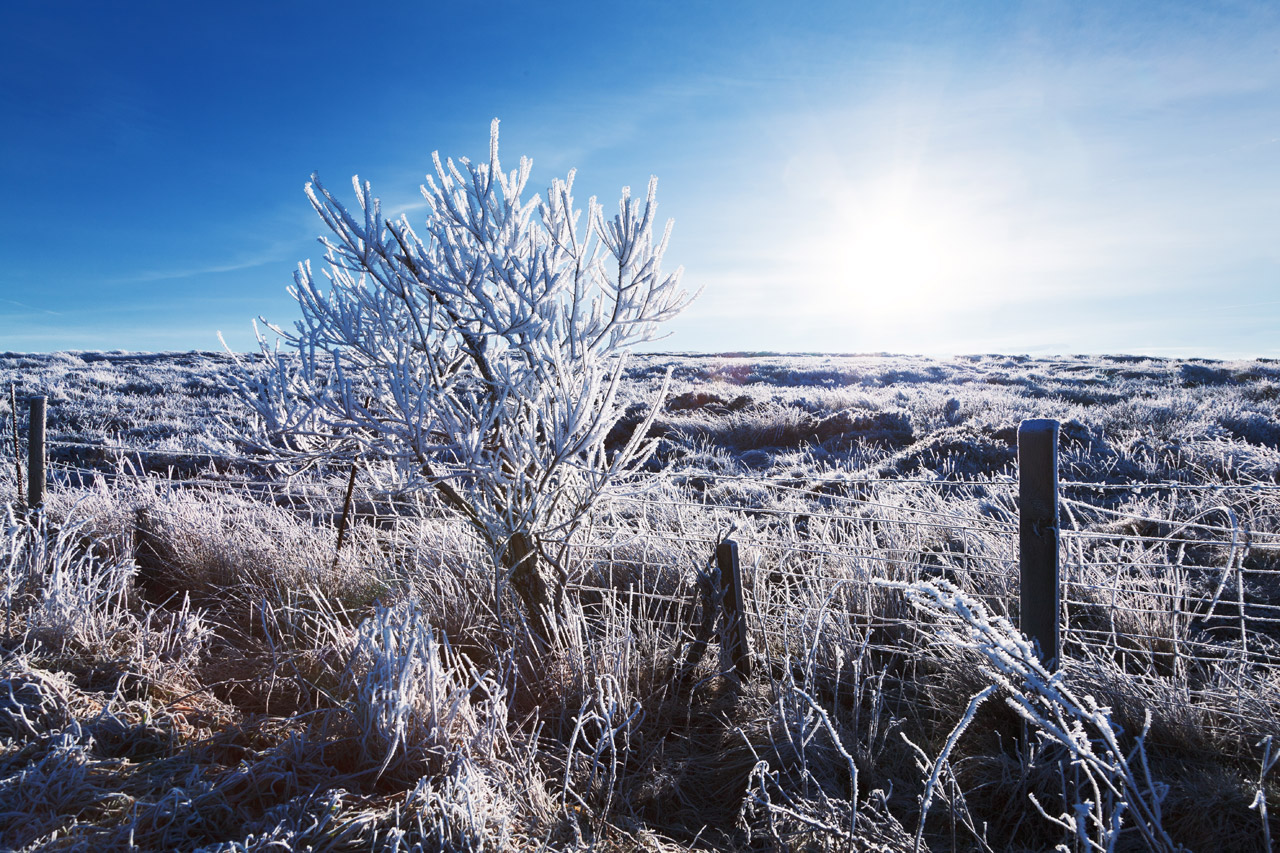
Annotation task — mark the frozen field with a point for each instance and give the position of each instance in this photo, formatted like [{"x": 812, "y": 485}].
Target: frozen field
[{"x": 189, "y": 663}]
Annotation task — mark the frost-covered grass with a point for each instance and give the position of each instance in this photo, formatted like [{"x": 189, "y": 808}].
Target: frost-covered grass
[
  {"x": 1128, "y": 418},
  {"x": 205, "y": 675}
]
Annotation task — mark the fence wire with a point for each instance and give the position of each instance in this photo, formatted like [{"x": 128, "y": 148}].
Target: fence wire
[{"x": 1172, "y": 579}]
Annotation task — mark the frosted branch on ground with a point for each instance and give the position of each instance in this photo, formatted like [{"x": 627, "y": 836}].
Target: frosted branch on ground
[{"x": 1110, "y": 793}]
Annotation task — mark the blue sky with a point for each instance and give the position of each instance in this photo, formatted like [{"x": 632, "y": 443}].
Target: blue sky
[{"x": 845, "y": 177}]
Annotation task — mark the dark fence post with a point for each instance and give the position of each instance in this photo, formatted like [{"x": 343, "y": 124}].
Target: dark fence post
[
  {"x": 35, "y": 454},
  {"x": 149, "y": 555},
  {"x": 1038, "y": 534},
  {"x": 735, "y": 612},
  {"x": 346, "y": 513}
]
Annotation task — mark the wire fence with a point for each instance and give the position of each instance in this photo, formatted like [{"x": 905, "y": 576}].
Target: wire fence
[{"x": 1179, "y": 584}]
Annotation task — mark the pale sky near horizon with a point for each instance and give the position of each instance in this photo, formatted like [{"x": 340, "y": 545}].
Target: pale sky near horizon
[{"x": 935, "y": 178}]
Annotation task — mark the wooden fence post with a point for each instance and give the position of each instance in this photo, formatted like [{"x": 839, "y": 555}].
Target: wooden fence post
[
  {"x": 35, "y": 454},
  {"x": 1038, "y": 534},
  {"x": 150, "y": 556},
  {"x": 346, "y": 513},
  {"x": 735, "y": 612}
]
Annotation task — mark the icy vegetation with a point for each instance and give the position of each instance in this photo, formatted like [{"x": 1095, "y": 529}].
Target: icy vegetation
[
  {"x": 480, "y": 353},
  {"x": 190, "y": 664},
  {"x": 1126, "y": 418}
]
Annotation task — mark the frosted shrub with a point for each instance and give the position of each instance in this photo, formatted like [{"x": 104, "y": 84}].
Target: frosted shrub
[
  {"x": 483, "y": 353},
  {"x": 455, "y": 813}
]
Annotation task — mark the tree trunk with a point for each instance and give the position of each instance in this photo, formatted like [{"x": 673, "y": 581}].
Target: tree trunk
[{"x": 534, "y": 582}]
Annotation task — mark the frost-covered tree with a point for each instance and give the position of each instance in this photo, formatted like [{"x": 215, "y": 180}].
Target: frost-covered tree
[{"x": 482, "y": 352}]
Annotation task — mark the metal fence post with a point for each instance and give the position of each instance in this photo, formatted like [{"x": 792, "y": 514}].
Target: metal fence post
[
  {"x": 35, "y": 454},
  {"x": 1038, "y": 534},
  {"x": 735, "y": 611}
]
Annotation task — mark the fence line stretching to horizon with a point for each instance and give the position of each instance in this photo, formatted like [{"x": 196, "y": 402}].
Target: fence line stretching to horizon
[{"x": 1137, "y": 605}]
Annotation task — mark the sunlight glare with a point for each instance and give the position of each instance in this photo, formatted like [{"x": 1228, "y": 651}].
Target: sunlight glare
[{"x": 897, "y": 252}]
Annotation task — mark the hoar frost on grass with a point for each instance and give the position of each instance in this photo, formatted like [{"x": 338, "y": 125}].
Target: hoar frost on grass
[
  {"x": 73, "y": 602},
  {"x": 423, "y": 711}
]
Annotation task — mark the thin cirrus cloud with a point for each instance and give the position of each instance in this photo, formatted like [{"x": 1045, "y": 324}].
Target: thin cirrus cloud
[
  {"x": 192, "y": 272},
  {"x": 34, "y": 309}
]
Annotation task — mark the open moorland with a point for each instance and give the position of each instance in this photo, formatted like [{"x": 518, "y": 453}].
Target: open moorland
[{"x": 191, "y": 663}]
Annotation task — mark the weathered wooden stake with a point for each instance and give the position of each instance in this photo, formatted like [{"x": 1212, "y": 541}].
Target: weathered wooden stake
[
  {"x": 1038, "y": 534},
  {"x": 35, "y": 454},
  {"x": 735, "y": 611},
  {"x": 17, "y": 450},
  {"x": 346, "y": 512}
]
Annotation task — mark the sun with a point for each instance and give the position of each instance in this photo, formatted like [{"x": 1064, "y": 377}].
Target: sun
[
  {"x": 898, "y": 259},
  {"x": 895, "y": 250}
]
